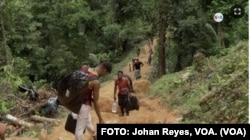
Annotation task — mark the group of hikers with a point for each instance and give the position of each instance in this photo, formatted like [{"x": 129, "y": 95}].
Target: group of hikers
[{"x": 123, "y": 89}]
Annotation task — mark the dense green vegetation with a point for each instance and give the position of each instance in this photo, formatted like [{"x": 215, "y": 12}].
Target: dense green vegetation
[
  {"x": 213, "y": 90},
  {"x": 41, "y": 40}
]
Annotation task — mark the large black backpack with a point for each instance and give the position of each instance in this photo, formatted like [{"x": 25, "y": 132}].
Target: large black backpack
[{"x": 72, "y": 88}]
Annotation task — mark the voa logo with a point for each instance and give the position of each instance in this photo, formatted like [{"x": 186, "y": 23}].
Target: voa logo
[{"x": 218, "y": 17}]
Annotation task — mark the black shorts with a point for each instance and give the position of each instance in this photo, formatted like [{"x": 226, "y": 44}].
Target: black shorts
[{"x": 123, "y": 100}]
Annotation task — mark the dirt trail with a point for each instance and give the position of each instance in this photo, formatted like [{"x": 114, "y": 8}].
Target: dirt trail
[{"x": 151, "y": 111}]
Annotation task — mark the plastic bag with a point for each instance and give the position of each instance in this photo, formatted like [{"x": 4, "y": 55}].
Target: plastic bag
[
  {"x": 74, "y": 116},
  {"x": 114, "y": 107}
]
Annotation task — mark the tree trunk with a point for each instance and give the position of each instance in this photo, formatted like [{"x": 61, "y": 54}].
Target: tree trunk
[
  {"x": 220, "y": 35},
  {"x": 34, "y": 107},
  {"x": 161, "y": 47},
  {"x": 124, "y": 45},
  {"x": 178, "y": 63},
  {"x": 44, "y": 119},
  {"x": 4, "y": 44},
  {"x": 19, "y": 121}
]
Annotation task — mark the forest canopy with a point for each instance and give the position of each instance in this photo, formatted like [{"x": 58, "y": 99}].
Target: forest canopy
[{"x": 44, "y": 39}]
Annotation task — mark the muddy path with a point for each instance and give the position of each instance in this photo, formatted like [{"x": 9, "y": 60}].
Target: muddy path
[{"x": 151, "y": 110}]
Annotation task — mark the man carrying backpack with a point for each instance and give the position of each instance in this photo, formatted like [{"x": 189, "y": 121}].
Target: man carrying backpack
[
  {"x": 123, "y": 85},
  {"x": 92, "y": 95}
]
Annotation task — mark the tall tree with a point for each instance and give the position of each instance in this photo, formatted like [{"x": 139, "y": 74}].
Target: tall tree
[
  {"x": 126, "y": 14},
  {"x": 162, "y": 5},
  {"x": 4, "y": 47}
]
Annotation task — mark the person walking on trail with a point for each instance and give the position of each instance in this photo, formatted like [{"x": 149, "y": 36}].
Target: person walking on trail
[
  {"x": 150, "y": 50},
  {"x": 123, "y": 85},
  {"x": 133, "y": 62},
  {"x": 138, "y": 64},
  {"x": 149, "y": 59},
  {"x": 92, "y": 95},
  {"x": 138, "y": 51}
]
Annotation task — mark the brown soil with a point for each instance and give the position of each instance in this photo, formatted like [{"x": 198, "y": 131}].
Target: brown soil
[{"x": 151, "y": 110}]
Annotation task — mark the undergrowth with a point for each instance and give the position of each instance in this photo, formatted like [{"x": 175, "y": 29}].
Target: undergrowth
[{"x": 217, "y": 93}]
